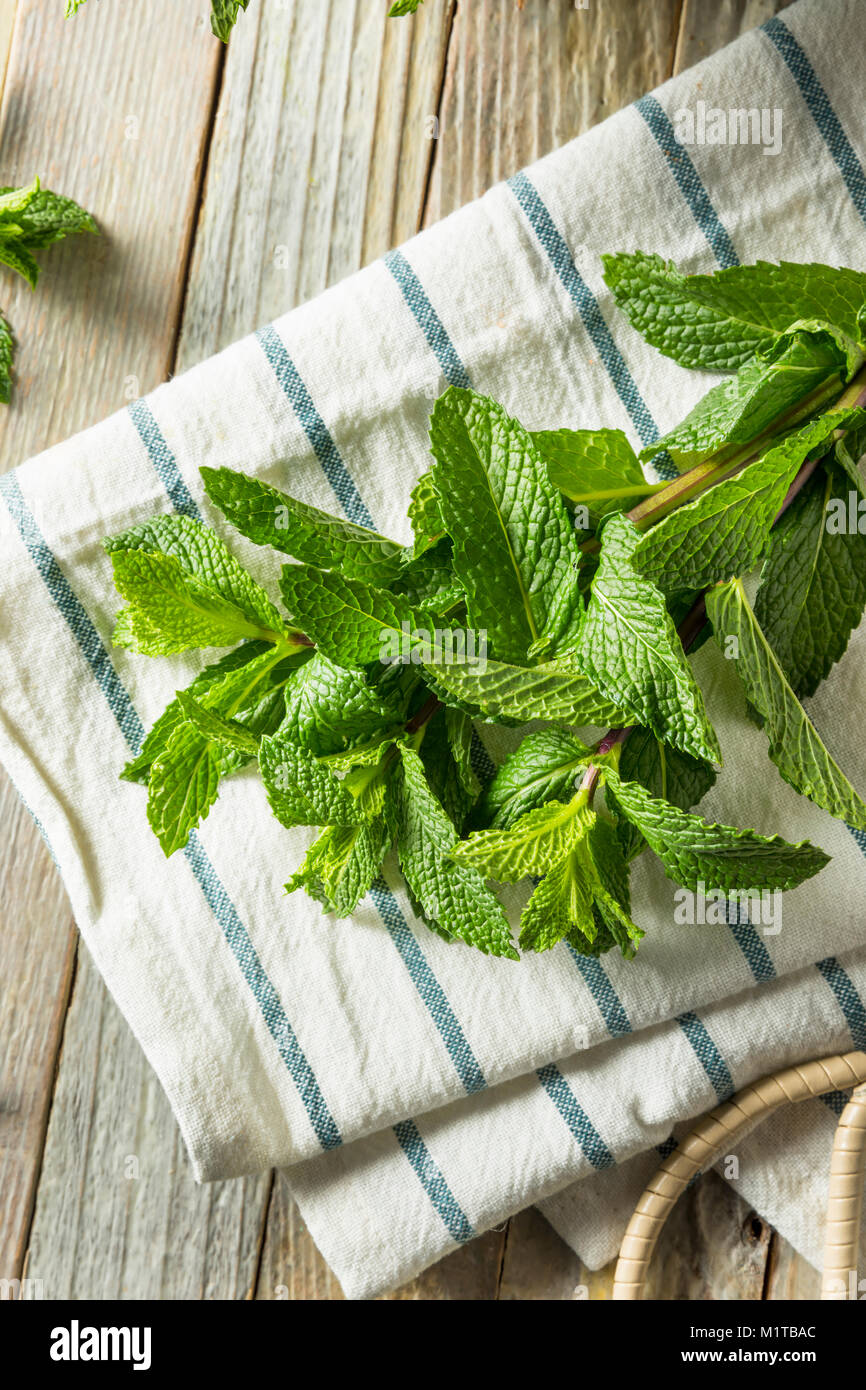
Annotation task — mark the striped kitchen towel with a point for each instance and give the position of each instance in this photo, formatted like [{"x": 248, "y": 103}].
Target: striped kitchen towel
[{"x": 418, "y": 1090}]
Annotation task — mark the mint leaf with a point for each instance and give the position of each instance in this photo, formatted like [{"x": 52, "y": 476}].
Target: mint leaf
[
  {"x": 215, "y": 687},
  {"x": 514, "y": 548},
  {"x": 340, "y": 866},
  {"x": 401, "y": 7},
  {"x": 532, "y": 845},
  {"x": 200, "y": 552},
  {"x": 429, "y": 582},
  {"x": 14, "y": 255},
  {"x": 170, "y": 610},
  {"x": 215, "y": 728},
  {"x": 300, "y": 790},
  {"x": 353, "y": 623},
  {"x": 666, "y": 774},
  {"x": 717, "y": 322},
  {"x": 725, "y": 531},
  {"x": 47, "y": 217},
  {"x": 267, "y": 516},
  {"x": 630, "y": 649},
  {"x": 795, "y": 745},
  {"x": 445, "y": 755},
  {"x": 425, "y": 516},
  {"x": 14, "y": 201},
  {"x": 701, "y": 856},
  {"x": 804, "y": 368},
  {"x": 560, "y": 904},
  {"x": 7, "y": 356},
  {"x": 183, "y": 764},
  {"x": 329, "y": 708},
  {"x": 224, "y": 14},
  {"x": 452, "y": 895},
  {"x": 597, "y": 468},
  {"x": 813, "y": 584},
  {"x": 612, "y": 896},
  {"x": 542, "y": 768},
  {"x": 555, "y": 691}
]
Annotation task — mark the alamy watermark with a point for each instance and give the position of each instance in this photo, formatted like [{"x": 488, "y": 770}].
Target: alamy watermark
[
  {"x": 714, "y": 125},
  {"x": 448, "y": 646},
  {"x": 717, "y": 908}
]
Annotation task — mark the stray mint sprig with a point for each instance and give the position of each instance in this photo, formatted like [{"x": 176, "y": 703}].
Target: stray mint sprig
[
  {"x": 31, "y": 218},
  {"x": 590, "y": 586}
]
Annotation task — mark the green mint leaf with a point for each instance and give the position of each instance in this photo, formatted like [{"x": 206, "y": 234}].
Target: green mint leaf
[
  {"x": 532, "y": 845},
  {"x": 182, "y": 788},
  {"x": 725, "y": 531},
  {"x": 215, "y": 728},
  {"x": 560, "y": 904},
  {"x": 183, "y": 765},
  {"x": 401, "y": 7},
  {"x": 429, "y": 582},
  {"x": 224, "y": 15},
  {"x": 452, "y": 895},
  {"x": 7, "y": 357},
  {"x": 612, "y": 895},
  {"x": 330, "y": 709},
  {"x": 216, "y": 688},
  {"x": 353, "y": 623},
  {"x": 200, "y": 552},
  {"x": 300, "y": 790},
  {"x": 813, "y": 584},
  {"x": 541, "y": 769},
  {"x": 170, "y": 610},
  {"x": 453, "y": 782},
  {"x": 666, "y": 774},
  {"x": 701, "y": 856},
  {"x": 514, "y": 547},
  {"x": 48, "y": 217},
  {"x": 596, "y": 468},
  {"x": 458, "y": 727},
  {"x": 341, "y": 865},
  {"x": 14, "y": 201},
  {"x": 267, "y": 516},
  {"x": 555, "y": 691},
  {"x": 630, "y": 649},
  {"x": 425, "y": 516},
  {"x": 795, "y": 744},
  {"x": 802, "y": 368},
  {"x": 14, "y": 254},
  {"x": 717, "y": 322}
]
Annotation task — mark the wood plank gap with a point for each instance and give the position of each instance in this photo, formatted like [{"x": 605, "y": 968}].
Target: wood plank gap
[
  {"x": 263, "y": 1230},
  {"x": 679, "y": 34},
  {"x": 446, "y": 53},
  {"x": 201, "y": 181},
  {"x": 501, "y": 1270}
]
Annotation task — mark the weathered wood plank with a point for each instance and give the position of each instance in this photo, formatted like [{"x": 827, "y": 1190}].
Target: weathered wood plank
[
  {"x": 118, "y": 1214},
  {"x": 318, "y": 162},
  {"x": 789, "y": 1276}
]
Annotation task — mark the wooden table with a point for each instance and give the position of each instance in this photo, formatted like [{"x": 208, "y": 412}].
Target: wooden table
[{"x": 230, "y": 185}]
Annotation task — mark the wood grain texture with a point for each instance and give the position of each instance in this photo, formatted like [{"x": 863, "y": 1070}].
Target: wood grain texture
[{"x": 112, "y": 108}]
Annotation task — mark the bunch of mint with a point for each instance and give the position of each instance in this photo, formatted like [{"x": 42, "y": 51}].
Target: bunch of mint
[
  {"x": 31, "y": 219},
  {"x": 588, "y": 582}
]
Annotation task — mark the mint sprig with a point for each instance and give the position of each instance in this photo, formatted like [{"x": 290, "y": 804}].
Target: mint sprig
[{"x": 589, "y": 586}]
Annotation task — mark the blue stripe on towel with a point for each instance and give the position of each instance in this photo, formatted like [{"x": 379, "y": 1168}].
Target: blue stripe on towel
[
  {"x": 92, "y": 649},
  {"x": 688, "y": 181},
  {"x": 314, "y": 427},
  {"x": 579, "y": 1124},
  {"x": 748, "y": 939},
  {"x": 431, "y": 1179},
  {"x": 163, "y": 459},
  {"x": 847, "y": 998},
  {"x": 429, "y": 988},
  {"x": 586, "y": 303},
  {"x": 598, "y": 982},
  {"x": 428, "y": 320},
  {"x": 818, "y": 102},
  {"x": 708, "y": 1055}
]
